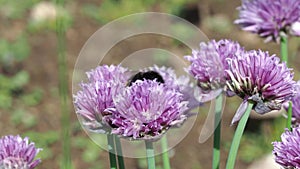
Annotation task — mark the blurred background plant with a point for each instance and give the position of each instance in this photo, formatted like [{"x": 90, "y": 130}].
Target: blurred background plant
[{"x": 29, "y": 74}]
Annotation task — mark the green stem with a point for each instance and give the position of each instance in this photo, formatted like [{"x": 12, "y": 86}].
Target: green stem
[
  {"x": 237, "y": 138},
  {"x": 112, "y": 151},
  {"x": 217, "y": 133},
  {"x": 63, "y": 91},
  {"x": 284, "y": 55},
  {"x": 289, "y": 119},
  {"x": 150, "y": 155},
  {"x": 165, "y": 154},
  {"x": 121, "y": 164},
  {"x": 284, "y": 49}
]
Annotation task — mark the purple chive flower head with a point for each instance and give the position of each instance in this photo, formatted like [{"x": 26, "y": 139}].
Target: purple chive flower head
[
  {"x": 146, "y": 110},
  {"x": 108, "y": 73},
  {"x": 17, "y": 153},
  {"x": 97, "y": 95},
  {"x": 181, "y": 84},
  {"x": 208, "y": 66},
  {"x": 259, "y": 78},
  {"x": 287, "y": 152},
  {"x": 270, "y": 19}
]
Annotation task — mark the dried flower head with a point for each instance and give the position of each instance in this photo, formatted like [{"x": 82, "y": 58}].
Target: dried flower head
[
  {"x": 17, "y": 153},
  {"x": 208, "y": 66},
  {"x": 270, "y": 19},
  {"x": 259, "y": 78},
  {"x": 287, "y": 152},
  {"x": 146, "y": 110}
]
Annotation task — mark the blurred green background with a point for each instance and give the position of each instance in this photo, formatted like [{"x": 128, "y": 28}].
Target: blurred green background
[{"x": 29, "y": 97}]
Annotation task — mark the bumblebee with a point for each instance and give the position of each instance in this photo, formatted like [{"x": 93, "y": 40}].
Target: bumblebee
[{"x": 149, "y": 75}]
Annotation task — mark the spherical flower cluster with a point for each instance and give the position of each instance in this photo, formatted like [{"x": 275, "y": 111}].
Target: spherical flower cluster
[
  {"x": 97, "y": 95},
  {"x": 146, "y": 110},
  {"x": 270, "y": 19},
  {"x": 261, "y": 79},
  {"x": 18, "y": 153},
  {"x": 111, "y": 101},
  {"x": 287, "y": 152},
  {"x": 208, "y": 66}
]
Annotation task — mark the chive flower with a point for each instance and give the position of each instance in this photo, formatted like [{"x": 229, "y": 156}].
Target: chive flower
[
  {"x": 208, "y": 65},
  {"x": 146, "y": 110},
  {"x": 97, "y": 94},
  {"x": 257, "y": 77},
  {"x": 270, "y": 19},
  {"x": 182, "y": 84},
  {"x": 287, "y": 151},
  {"x": 18, "y": 153}
]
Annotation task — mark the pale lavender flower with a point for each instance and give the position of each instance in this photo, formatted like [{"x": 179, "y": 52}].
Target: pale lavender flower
[
  {"x": 208, "y": 66},
  {"x": 270, "y": 19},
  {"x": 146, "y": 110},
  {"x": 97, "y": 94},
  {"x": 287, "y": 152},
  {"x": 17, "y": 153},
  {"x": 259, "y": 78}
]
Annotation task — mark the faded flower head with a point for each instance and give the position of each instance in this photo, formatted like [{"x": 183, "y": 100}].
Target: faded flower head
[
  {"x": 17, "y": 153},
  {"x": 97, "y": 95},
  {"x": 146, "y": 110},
  {"x": 270, "y": 19},
  {"x": 287, "y": 152},
  {"x": 208, "y": 66},
  {"x": 262, "y": 79}
]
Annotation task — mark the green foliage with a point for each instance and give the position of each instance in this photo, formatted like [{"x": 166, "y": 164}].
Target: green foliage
[
  {"x": 91, "y": 151},
  {"x": 13, "y": 52},
  {"x": 112, "y": 9},
  {"x": 254, "y": 146},
  {"x": 9, "y": 86},
  {"x": 20, "y": 116},
  {"x": 32, "y": 98},
  {"x": 219, "y": 23},
  {"x": 43, "y": 140}
]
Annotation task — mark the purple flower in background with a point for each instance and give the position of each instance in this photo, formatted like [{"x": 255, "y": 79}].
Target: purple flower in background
[
  {"x": 259, "y": 78},
  {"x": 287, "y": 152},
  {"x": 270, "y": 19},
  {"x": 146, "y": 110},
  {"x": 97, "y": 95},
  {"x": 208, "y": 65},
  {"x": 17, "y": 153},
  {"x": 295, "y": 105}
]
